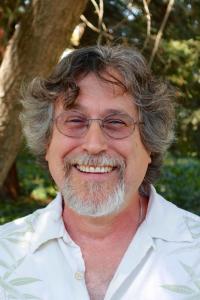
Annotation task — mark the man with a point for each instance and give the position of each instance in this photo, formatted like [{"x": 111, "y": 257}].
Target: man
[{"x": 101, "y": 122}]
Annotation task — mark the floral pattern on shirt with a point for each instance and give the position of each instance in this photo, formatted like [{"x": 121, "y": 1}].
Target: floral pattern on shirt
[
  {"x": 190, "y": 293},
  {"x": 9, "y": 282}
]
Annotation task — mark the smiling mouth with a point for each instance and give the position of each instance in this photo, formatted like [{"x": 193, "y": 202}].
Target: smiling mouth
[{"x": 94, "y": 169}]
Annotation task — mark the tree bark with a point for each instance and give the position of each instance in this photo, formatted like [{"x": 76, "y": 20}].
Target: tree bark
[
  {"x": 11, "y": 187},
  {"x": 38, "y": 41}
]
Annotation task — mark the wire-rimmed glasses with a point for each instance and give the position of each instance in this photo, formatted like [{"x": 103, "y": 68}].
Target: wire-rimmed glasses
[{"x": 116, "y": 125}]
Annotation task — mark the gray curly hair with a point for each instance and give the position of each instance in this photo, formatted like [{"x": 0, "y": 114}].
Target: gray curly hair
[{"x": 152, "y": 97}]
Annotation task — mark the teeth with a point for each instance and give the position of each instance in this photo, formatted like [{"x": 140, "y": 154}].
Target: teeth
[{"x": 92, "y": 169}]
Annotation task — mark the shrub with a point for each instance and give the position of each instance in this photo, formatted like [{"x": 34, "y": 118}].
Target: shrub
[{"x": 180, "y": 183}]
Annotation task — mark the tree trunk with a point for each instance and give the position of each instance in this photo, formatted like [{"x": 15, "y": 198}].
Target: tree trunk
[
  {"x": 11, "y": 188},
  {"x": 35, "y": 47}
]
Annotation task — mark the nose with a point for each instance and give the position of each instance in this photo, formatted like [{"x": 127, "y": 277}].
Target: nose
[{"x": 94, "y": 142}]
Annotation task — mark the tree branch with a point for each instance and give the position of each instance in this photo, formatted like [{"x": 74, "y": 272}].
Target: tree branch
[
  {"x": 100, "y": 21},
  {"x": 160, "y": 32},
  {"x": 89, "y": 24},
  {"x": 148, "y": 17},
  {"x": 94, "y": 28},
  {"x": 101, "y": 29},
  {"x": 101, "y": 25}
]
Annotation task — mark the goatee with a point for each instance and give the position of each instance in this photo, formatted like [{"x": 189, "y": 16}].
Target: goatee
[{"x": 92, "y": 198}]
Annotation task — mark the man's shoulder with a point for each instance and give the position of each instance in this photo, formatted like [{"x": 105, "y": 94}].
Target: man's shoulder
[
  {"x": 170, "y": 223},
  {"x": 16, "y": 236},
  {"x": 182, "y": 212},
  {"x": 188, "y": 224},
  {"x": 16, "y": 269},
  {"x": 187, "y": 216},
  {"x": 17, "y": 223},
  {"x": 21, "y": 223},
  {"x": 27, "y": 232},
  {"x": 193, "y": 223}
]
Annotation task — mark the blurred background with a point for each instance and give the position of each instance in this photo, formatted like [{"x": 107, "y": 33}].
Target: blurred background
[{"x": 35, "y": 34}]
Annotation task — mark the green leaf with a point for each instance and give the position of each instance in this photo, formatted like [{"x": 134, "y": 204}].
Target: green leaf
[
  {"x": 186, "y": 248},
  {"x": 197, "y": 283},
  {"x": 14, "y": 240},
  {"x": 196, "y": 225},
  {"x": 4, "y": 264},
  {"x": 189, "y": 270},
  {"x": 8, "y": 288},
  {"x": 179, "y": 289},
  {"x": 6, "y": 248},
  {"x": 13, "y": 267},
  {"x": 23, "y": 280},
  {"x": 195, "y": 235},
  {"x": 7, "y": 274},
  {"x": 18, "y": 233},
  {"x": 19, "y": 262}
]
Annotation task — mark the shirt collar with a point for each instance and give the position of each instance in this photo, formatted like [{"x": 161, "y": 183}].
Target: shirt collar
[
  {"x": 166, "y": 221},
  {"x": 47, "y": 223}
]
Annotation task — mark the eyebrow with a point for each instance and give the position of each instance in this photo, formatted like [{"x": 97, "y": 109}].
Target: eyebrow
[{"x": 109, "y": 111}]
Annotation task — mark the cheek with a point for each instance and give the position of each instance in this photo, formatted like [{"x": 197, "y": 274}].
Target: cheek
[
  {"x": 58, "y": 149},
  {"x": 55, "y": 165},
  {"x": 137, "y": 160}
]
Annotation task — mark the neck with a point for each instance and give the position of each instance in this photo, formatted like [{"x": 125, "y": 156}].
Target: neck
[
  {"x": 108, "y": 227},
  {"x": 99, "y": 237}
]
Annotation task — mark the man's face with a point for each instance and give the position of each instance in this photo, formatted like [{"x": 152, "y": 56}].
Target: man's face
[{"x": 96, "y": 174}]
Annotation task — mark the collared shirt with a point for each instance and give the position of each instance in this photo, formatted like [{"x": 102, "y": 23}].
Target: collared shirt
[{"x": 39, "y": 260}]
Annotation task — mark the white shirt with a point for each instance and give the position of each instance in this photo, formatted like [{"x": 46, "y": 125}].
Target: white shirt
[{"x": 39, "y": 260}]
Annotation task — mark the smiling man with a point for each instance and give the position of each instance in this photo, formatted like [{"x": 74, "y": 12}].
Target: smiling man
[{"x": 101, "y": 123}]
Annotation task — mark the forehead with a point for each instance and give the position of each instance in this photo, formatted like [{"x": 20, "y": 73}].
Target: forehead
[{"x": 98, "y": 96}]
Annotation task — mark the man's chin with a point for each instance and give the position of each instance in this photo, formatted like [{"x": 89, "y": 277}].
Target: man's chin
[{"x": 94, "y": 202}]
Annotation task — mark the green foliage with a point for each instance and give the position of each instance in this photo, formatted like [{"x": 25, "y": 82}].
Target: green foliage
[
  {"x": 180, "y": 183},
  {"x": 35, "y": 186},
  {"x": 34, "y": 180},
  {"x": 180, "y": 64}
]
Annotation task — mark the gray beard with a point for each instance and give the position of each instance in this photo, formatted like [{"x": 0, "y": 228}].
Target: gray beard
[{"x": 97, "y": 202}]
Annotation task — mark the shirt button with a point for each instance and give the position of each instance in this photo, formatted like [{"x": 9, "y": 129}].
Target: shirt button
[{"x": 79, "y": 275}]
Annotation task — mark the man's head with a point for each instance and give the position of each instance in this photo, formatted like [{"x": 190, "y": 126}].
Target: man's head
[{"x": 101, "y": 83}]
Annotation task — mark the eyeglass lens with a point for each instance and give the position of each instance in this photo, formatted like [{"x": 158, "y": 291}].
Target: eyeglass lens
[{"x": 116, "y": 126}]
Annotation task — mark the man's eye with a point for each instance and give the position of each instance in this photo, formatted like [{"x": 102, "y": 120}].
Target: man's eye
[
  {"x": 75, "y": 120},
  {"x": 115, "y": 122}
]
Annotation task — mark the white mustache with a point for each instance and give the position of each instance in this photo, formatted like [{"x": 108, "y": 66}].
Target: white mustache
[{"x": 93, "y": 160}]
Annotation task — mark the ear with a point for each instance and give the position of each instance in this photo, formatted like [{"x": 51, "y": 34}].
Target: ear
[
  {"x": 149, "y": 160},
  {"x": 46, "y": 156},
  {"x": 47, "y": 152}
]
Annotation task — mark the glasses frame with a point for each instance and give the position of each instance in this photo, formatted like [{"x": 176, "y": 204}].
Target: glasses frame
[{"x": 100, "y": 121}]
